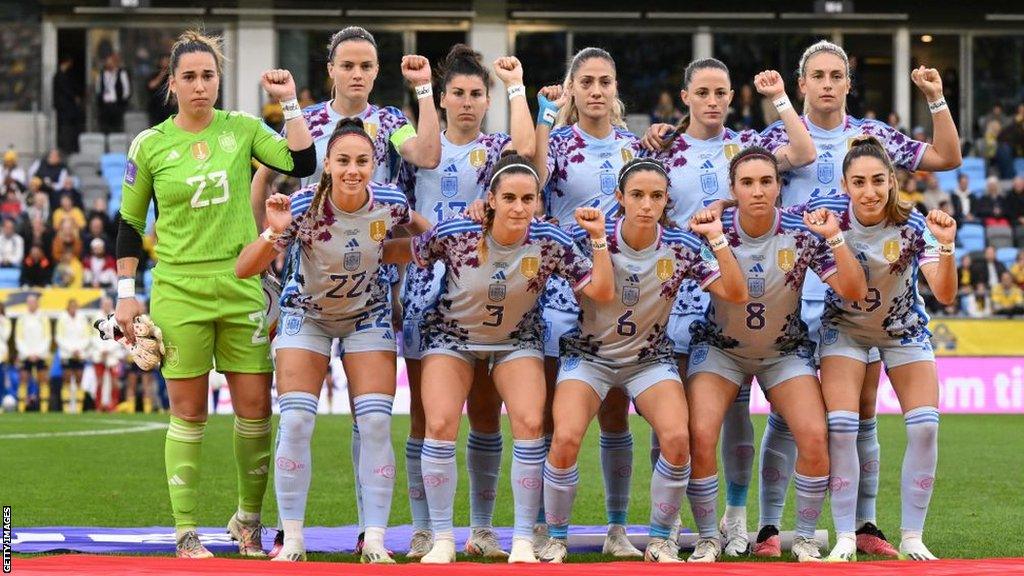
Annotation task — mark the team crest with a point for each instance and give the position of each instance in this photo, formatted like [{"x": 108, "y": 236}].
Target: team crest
[
  {"x": 449, "y": 186},
  {"x": 529, "y": 267},
  {"x": 630, "y": 295},
  {"x": 377, "y": 230},
  {"x": 755, "y": 287},
  {"x": 478, "y": 157},
  {"x": 352, "y": 261},
  {"x": 571, "y": 363},
  {"x": 496, "y": 292},
  {"x": 891, "y": 250},
  {"x": 709, "y": 183},
  {"x": 607, "y": 183},
  {"x": 292, "y": 323},
  {"x": 172, "y": 358},
  {"x": 785, "y": 259},
  {"x": 730, "y": 150},
  {"x": 698, "y": 355},
  {"x": 627, "y": 155},
  {"x": 227, "y": 142},
  {"x": 826, "y": 172},
  {"x": 665, "y": 268},
  {"x": 200, "y": 150},
  {"x": 371, "y": 130}
]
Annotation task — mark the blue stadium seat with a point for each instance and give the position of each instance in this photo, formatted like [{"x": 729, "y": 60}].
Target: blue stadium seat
[
  {"x": 1007, "y": 255},
  {"x": 1018, "y": 166},
  {"x": 947, "y": 179},
  {"x": 974, "y": 167},
  {"x": 971, "y": 237},
  {"x": 113, "y": 164},
  {"x": 9, "y": 277}
]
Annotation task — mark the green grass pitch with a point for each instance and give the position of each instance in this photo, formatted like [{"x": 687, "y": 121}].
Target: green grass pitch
[{"x": 118, "y": 480}]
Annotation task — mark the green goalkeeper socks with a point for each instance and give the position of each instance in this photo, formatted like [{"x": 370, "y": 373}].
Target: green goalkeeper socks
[
  {"x": 252, "y": 458},
  {"x": 182, "y": 450}
]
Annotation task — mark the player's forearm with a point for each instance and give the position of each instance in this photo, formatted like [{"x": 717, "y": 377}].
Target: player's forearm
[
  {"x": 398, "y": 251},
  {"x": 521, "y": 127},
  {"x": 540, "y": 152},
  {"x": 602, "y": 278},
  {"x": 946, "y": 143},
  {"x": 944, "y": 282},
  {"x": 255, "y": 258},
  {"x": 127, "y": 266},
  {"x": 849, "y": 281},
  {"x": 259, "y": 191},
  {"x": 424, "y": 150},
  {"x": 800, "y": 151},
  {"x": 732, "y": 284}
]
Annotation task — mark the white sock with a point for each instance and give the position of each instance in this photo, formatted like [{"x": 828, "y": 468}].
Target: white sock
[
  {"x": 844, "y": 469},
  {"x": 293, "y": 465},
  {"x": 527, "y": 481},
  {"x": 668, "y": 487},
  {"x": 440, "y": 477},
  {"x": 414, "y": 474},
  {"x": 919, "y": 461},
  {"x": 617, "y": 469},
  {"x": 376, "y": 457},
  {"x": 483, "y": 462},
  {"x": 778, "y": 461}
]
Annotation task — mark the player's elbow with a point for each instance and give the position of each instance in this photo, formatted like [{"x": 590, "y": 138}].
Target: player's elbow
[
  {"x": 244, "y": 269},
  {"x": 853, "y": 290}
]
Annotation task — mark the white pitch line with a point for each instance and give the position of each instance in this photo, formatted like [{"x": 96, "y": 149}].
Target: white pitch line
[{"x": 142, "y": 427}]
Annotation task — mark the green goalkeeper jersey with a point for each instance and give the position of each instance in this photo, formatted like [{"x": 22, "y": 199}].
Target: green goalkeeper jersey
[{"x": 200, "y": 183}]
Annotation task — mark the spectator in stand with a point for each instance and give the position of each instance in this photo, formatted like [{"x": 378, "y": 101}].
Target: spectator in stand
[
  {"x": 12, "y": 206},
  {"x": 37, "y": 206},
  {"x": 100, "y": 268},
  {"x": 932, "y": 196},
  {"x": 32, "y": 340},
  {"x": 113, "y": 91},
  {"x": 1011, "y": 144},
  {"x": 988, "y": 145},
  {"x": 1017, "y": 269},
  {"x": 895, "y": 122},
  {"x": 978, "y": 304},
  {"x": 746, "y": 114},
  {"x": 946, "y": 207},
  {"x": 159, "y": 107},
  {"x": 99, "y": 210},
  {"x": 666, "y": 111},
  {"x": 12, "y": 246},
  {"x": 51, "y": 170},
  {"x": 10, "y": 168},
  {"x": 68, "y": 211},
  {"x": 908, "y": 189},
  {"x": 38, "y": 232},
  {"x": 855, "y": 97},
  {"x": 990, "y": 208},
  {"x": 306, "y": 98},
  {"x": 920, "y": 134},
  {"x": 67, "y": 240},
  {"x": 961, "y": 199},
  {"x": 1015, "y": 203},
  {"x": 96, "y": 230},
  {"x": 36, "y": 270},
  {"x": 72, "y": 336},
  {"x": 989, "y": 270},
  {"x": 964, "y": 284},
  {"x": 69, "y": 189},
  {"x": 997, "y": 116},
  {"x": 1007, "y": 298},
  {"x": 69, "y": 271},
  {"x": 68, "y": 103},
  {"x": 870, "y": 114}
]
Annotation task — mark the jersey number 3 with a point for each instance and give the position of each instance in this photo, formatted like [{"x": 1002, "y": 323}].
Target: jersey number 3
[{"x": 218, "y": 179}]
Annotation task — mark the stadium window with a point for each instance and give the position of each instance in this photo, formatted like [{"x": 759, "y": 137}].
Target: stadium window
[
  {"x": 543, "y": 57},
  {"x": 21, "y": 57},
  {"x": 998, "y": 73},
  {"x": 942, "y": 52},
  {"x": 873, "y": 75}
]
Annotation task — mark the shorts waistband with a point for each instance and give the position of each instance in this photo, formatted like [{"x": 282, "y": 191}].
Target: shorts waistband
[{"x": 209, "y": 268}]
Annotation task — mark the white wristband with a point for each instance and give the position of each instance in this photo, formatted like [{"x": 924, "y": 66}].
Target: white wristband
[
  {"x": 125, "y": 288},
  {"x": 947, "y": 249},
  {"x": 782, "y": 103},
  {"x": 291, "y": 109},
  {"x": 515, "y": 91},
  {"x": 937, "y": 106},
  {"x": 424, "y": 91},
  {"x": 835, "y": 241},
  {"x": 719, "y": 243}
]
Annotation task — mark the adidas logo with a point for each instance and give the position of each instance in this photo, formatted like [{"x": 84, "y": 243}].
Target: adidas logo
[
  {"x": 176, "y": 481},
  {"x": 757, "y": 268},
  {"x": 707, "y": 165},
  {"x": 173, "y": 155},
  {"x": 635, "y": 278},
  {"x": 606, "y": 166},
  {"x": 352, "y": 244},
  {"x": 862, "y": 257},
  {"x": 451, "y": 169},
  {"x": 499, "y": 276},
  {"x": 261, "y": 471},
  {"x": 826, "y": 156}
]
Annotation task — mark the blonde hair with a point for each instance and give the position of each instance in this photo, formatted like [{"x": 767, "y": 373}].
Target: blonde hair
[
  {"x": 193, "y": 40},
  {"x": 569, "y": 114},
  {"x": 816, "y": 48}
]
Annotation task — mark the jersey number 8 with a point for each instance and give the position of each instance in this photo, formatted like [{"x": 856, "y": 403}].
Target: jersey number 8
[{"x": 755, "y": 316}]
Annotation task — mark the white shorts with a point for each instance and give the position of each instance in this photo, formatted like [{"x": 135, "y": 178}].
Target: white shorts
[
  {"x": 811, "y": 312},
  {"x": 770, "y": 372},
  {"x": 556, "y": 324},
  {"x": 492, "y": 357},
  {"x": 894, "y": 353},
  {"x": 679, "y": 331},
  {"x": 633, "y": 379},
  {"x": 355, "y": 335}
]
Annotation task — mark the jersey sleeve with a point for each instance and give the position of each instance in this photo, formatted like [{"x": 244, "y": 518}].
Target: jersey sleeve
[
  {"x": 823, "y": 262},
  {"x": 574, "y": 266},
  {"x": 399, "y": 127},
  {"x": 774, "y": 137},
  {"x": 269, "y": 147},
  {"x": 401, "y": 213},
  {"x": 428, "y": 247},
  {"x": 927, "y": 247},
  {"x": 137, "y": 189},
  {"x": 904, "y": 150},
  {"x": 301, "y": 201},
  {"x": 700, "y": 263}
]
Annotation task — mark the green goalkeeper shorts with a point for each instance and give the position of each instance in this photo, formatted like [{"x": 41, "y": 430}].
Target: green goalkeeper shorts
[{"x": 210, "y": 318}]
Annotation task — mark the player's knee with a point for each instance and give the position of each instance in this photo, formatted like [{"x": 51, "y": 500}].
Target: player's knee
[
  {"x": 442, "y": 426},
  {"x": 565, "y": 447},
  {"x": 529, "y": 425},
  {"x": 675, "y": 445},
  {"x": 297, "y": 425},
  {"x": 375, "y": 427}
]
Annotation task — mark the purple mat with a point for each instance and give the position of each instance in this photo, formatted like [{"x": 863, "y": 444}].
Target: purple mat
[{"x": 160, "y": 539}]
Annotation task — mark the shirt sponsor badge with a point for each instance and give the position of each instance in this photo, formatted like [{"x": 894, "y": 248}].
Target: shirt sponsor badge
[
  {"x": 201, "y": 150},
  {"x": 529, "y": 267},
  {"x": 891, "y": 250},
  {"x": 371, "y": 130},
  {"x": 785, "y": 259},
  {"x": 478, "y": 157},
  {"x": 130, "y": 172},
  {"x": 378, "y": 230},
  {"x": 730, "y": 150},
  {"x": 665, "y": 268},
  {"x": 627, "y": 155}
]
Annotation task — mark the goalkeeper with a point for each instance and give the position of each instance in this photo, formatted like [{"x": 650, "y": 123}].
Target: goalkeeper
[{"x": 195, "y": 166}]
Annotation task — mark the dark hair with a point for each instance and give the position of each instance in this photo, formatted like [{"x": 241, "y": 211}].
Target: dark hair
[
  {"x": 896, "y": 211},
  {"x": 464, "y": 61},
  {"x": 691, "y": 69},
  {"x": 347, "y": 34},
  {"x": 344, "y": 127},
  {"x": 191, "y": 41},
  {"x": 635, "y": 166},
  {"x": 750, "y": 154},
  {"x": 510, "y": 163}
]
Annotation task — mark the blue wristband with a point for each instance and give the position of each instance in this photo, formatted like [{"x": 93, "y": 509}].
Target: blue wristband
[{"x": 546, "y": 112}]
